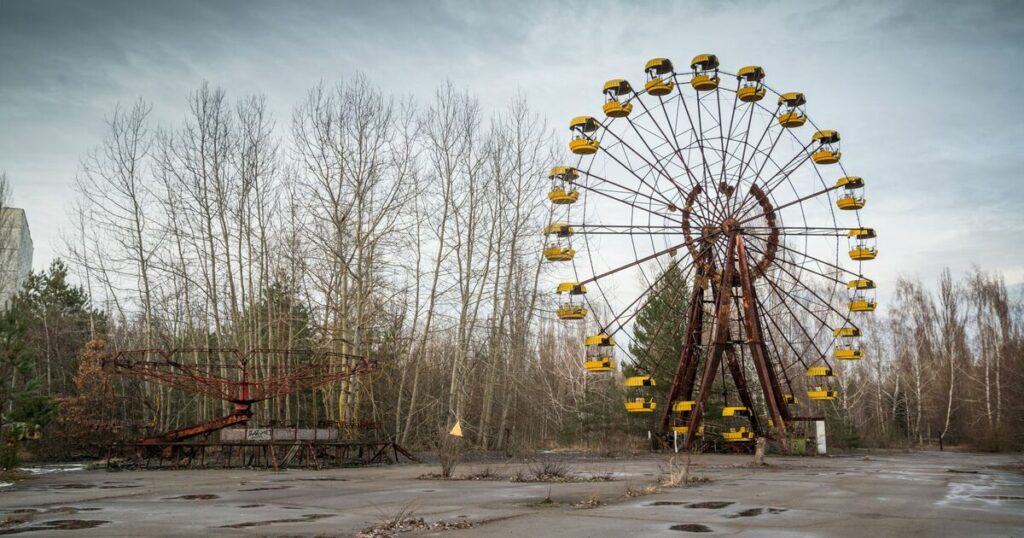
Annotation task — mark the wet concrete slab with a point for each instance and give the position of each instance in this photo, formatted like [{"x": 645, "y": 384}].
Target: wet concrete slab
[{"x": 905, "y": 494}]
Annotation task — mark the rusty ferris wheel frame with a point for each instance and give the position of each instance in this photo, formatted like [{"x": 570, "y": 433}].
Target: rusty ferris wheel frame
[{"x": 701, "y": 161}]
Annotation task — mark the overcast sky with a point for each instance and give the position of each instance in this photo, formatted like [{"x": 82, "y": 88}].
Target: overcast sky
[{"x": 927, "y": 95}]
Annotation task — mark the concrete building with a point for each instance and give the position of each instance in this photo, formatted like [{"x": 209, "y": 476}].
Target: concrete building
[{"x": 15, "y": 252}]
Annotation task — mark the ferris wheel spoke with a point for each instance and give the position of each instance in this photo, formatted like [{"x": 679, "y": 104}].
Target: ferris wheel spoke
[
  {"x": 779, "y": 177},
  {"x": 797, "y": 281},
  {"x": 625, "y": 189},
  {"x": 780, "y": 207},
  {"x": 698, "y": 131},
  {"x": 625, "y": 144},
  {"x": 821, "y": 261},
  {"x": 645, "y": 293},
  {"x": 682, "y": 192},
  {"x": 674, "y": 248},
  {"x": 774, "y": 347},
  {"x": 745, "y": 164},
  {"x": 806, "y": 231},
  {"x": 726, "y": 140},
  {"x": 785, "y": 298}
]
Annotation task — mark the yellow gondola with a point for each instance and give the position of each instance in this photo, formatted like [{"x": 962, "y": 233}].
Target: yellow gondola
[
  {"x": 563, "y": 173},
  {"x": 848, "y": 353},
  {"x": 862, "y": 304},
  {"x": 656, "y": 69},
  {"x": 862, "y": 233},
  {"x": 561, "y": 196},
  {"x": 861, "y": 284},
  {"x": 822, "y": 393},
  {"x": 850, "y": 202},
  {"x": 819, "y": 371},
  {"x": 846, "y": 332},
  {"x": 684, "y": 429},
  {"x": 850, "y": 182},
  {"x": 789, "y": 399},
  {"x": 558, "y": 253},
  {"x": 751, "y": 90},
  {"x": 601, "y": 364},
  {"x": 641, "y": 405},
  {"x": 614, "y": 90},
  {"x": 570, "y": 311},
  {"x": 683, "y": 406},
  {"x": 705, "y": 72},
  {"x": 560, "y": 229},
  {"x": 583, "y": 143},
  {"x": 640, "y": 381},
  {"x": 735, "y": 411},
  {"x": 863, "y": 253},
  {"x": 599, "y": 340},
  {"x": 793, "y": 115},
  {"x": 738, "y": 435},
  {"x": 828, "y": 150}
]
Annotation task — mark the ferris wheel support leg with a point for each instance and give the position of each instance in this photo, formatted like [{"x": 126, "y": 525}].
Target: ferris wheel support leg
[
  {"x": 740, "y": 381},
  {"x": 719, "y": 338},
  {"x": 765, "y": 372},
  {"x": 682, "y": 382}
]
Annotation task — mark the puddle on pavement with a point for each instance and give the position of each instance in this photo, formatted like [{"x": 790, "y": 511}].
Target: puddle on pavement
[
  {"x": 711, "y": 505},
  {"x": 318, "y": 479},
  {"x": 999, "y": 497},
  {"x": 751, "y": 512},
  {"x": 666, "y": 503},
  {"x": 194, "y": 497},
  {"x": 690, "y": 527},
  {"x": 303, "y": 519},
  {"x": 57, "y": 525},
  {"x": 267, "y": 488},
  {"x": 250, "y": 506},
  {"x": 72, "y": 486}
]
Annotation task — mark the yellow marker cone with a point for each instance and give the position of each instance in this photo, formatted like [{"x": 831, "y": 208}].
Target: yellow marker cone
[{"x": 457, "y": 429}]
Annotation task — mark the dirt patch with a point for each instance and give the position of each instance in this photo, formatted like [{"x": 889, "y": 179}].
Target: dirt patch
[
  {"x": 690, "y": 527},
  {"x": 399, "y": 526},
  {"x": 711, "y": 505},
  {"x": 194, "y": 497},
  {"x": 303, "y": 519},
  {"x": 57, "y": 525}
]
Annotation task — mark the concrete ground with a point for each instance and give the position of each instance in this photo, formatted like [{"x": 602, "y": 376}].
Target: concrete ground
[{"x": 880, "y": 494}]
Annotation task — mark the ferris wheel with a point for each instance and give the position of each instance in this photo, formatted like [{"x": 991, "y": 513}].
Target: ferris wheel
[{"x": 719, "y": 181}]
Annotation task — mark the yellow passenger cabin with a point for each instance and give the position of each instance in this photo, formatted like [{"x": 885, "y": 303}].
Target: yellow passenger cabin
[
  {"x": 850, "y": 202},
  {"x": 738, "y": 435},
  {"x": 788, "y": 398},
  {"x": 558, "y": 253},
  {"x": 854, "y": 198},
  {"x": 563, "y": 173},
  {"x": 735, "y": 411},
  {"x": 819, "y": 371},
  {"x": 583, "y": 142},
  {"x": 641, "y": 405},
  {"x": 705, "y": 72},
  {"x": 848, "y": 353},
  {"x": 846, "y": 332},
  {"x": 616, "y": 91},
  {"x": 822, "y": 393},
  {"x": 862, "y": 304},
  {"x": 659, "y": 75},
  {"x": 599, "y": 340},
  {"x": 570, "y": 311},
  {"x": 600, "y": 364},
  {"x": 751, "y": 89},
  {"x": 860, "y": 284},
  {"x": 863, "y": 253},
  {"x": 559, "y": 229},
  {"x": 862, "y": 233},
  {"x": 684, "y": 429},
  {"x": 560, "y": 196},
  {"x": 683, "y": 406},
  {"x": 640, "y": 381},
  {"x": 828, "y": 147},
  {"x": 792, "y": 105}
]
